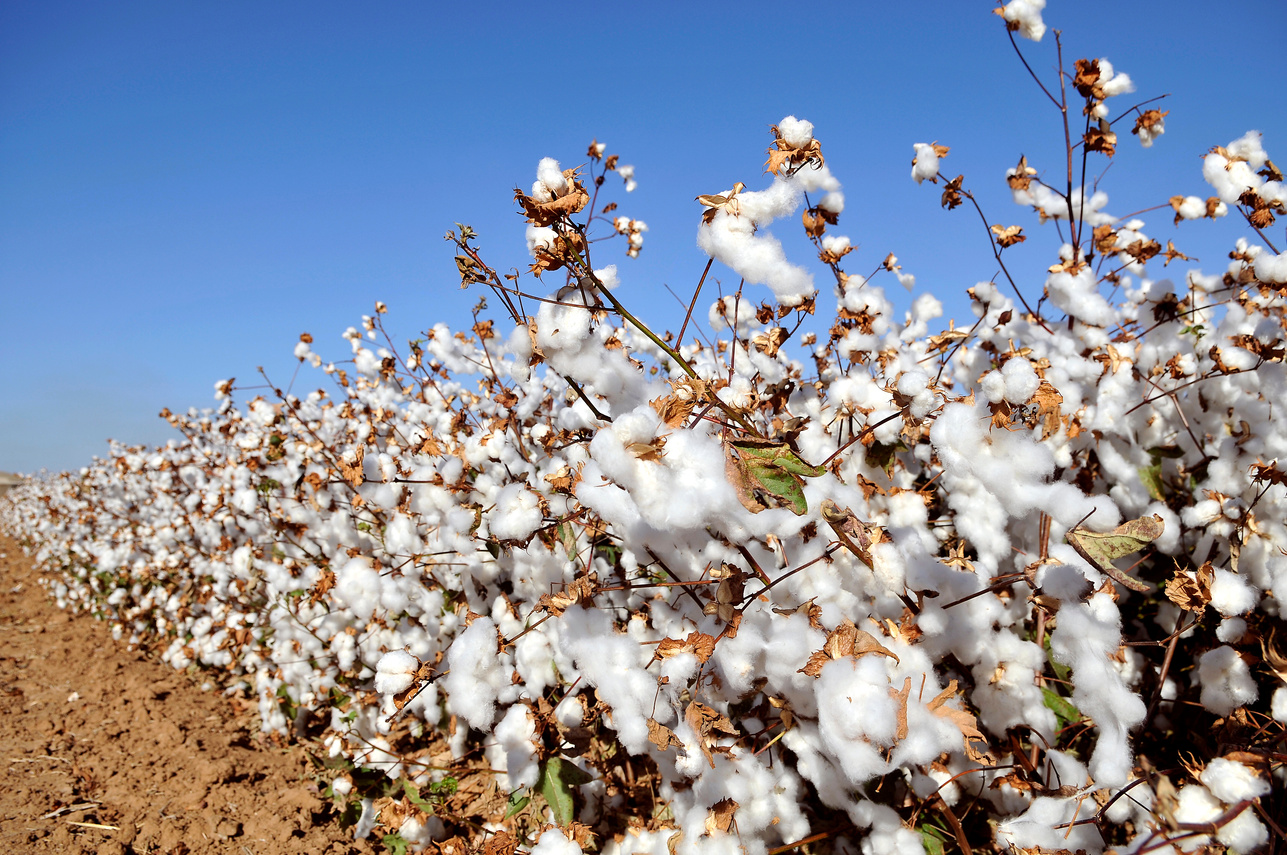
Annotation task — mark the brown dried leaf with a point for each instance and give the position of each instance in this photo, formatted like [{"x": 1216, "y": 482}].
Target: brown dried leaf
[
  {"x": 661, "y": 736},
  {"x": 1022, "y": 177},
  {"x": 1008, "y": 236},
  {"x": 951, "y": 197},
  {"x": 351, "y": 466},
  {"x": 720, "y": 817},
  {"x": 856, "y": 535},
  {"x": 902, "y": 696},
  {"x": 964, "y": 721}
]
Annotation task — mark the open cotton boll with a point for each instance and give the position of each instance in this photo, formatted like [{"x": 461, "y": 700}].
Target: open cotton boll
[
  {"x": 1027, "y": 14},
  {"x": 1243, "y": 833},
  {"x": 515, "y": 733},
  {"x": 477, "y": 674},
  {"x": 357, "y": 586},
  {"x": 395, "y": 672},
  {"x": 796, "y": 132},
  {"x": 549, "y": 174},
  {"x": 516, "y": 513},
  {"x": 1021, "y": 380},
  {"x": 1048, "y": 823},
  {"x": 1079, "y": 296},
  {"x": 1086, "y": 636},
  {"x": 856, "y": 715},
  {"x": 1271, "y": 268},
  {"x": 553, "y": 842},
  {"x": 1113, "y": 82},
  {"x": 1226, "y": 680},
  {"x": 1232, "y": 782},
  {"x": 1232, "y": 594},
  {"x": 925, "y": 163}
]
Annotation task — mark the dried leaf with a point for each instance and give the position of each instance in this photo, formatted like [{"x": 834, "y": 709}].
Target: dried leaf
[
  {"x": 846, "y": 640},
  {"x": 1008, "y": 236},
  {"x": 1101, "y": 548},
  {"x": 952, "y": 193},
  {"x": 856, "y": 535},
  {"x": 1191, "y": 593},
  {"x": 699, "y": 644},
  {"x": 351, "y": 466},
  {"x": 720, "y": 817},
  {"x": 901, "y": 733},
  {"x": 964, "y": 721},
  {"x": 661, "y": 736}
]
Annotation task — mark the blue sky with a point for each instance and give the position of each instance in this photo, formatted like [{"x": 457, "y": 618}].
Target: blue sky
[{"x": 184, "y": 188}]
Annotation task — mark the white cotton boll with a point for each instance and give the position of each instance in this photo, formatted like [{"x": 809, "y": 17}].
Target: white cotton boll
[
  {"x": 1040, "y": 826},
  {"x": 1232, "y": 782},
  {"x": 1195, "y": 804},
  {"x": 477, "y": 675},
  {"x": 366, "y": 820},
  {"x": 835, "y": 244},
  {"x": 992, "y": 385},
  {"x": 395, "y": 672},
  {"x": 1243, "y": 833},
  {"x": 608, "y": 277},
  {"x": 1079, "y": 296},
  {"x": 1231, "y": 630},
  {"x": 626, "y": 171},
  {"x": 856, "y": 714},
  {"x": 1232, "y": 594},
  {"x": 1021, "y": 380},
  {"x": 833, "y": 202},
  {"x": 1226, "y": 680},
  {"x": 342, "y": 786},
  {"x": 925, "y": 163},
  {"x": 514, "y": 733},
  {"x": 302, "y": 350},
  {"x": 357, "y": 586},
  {"x": 1112, "y": 81},
  {"x": 912, "y": 383},
  {"x": 907, "y": 280},
  {"x": 1278, "y": 705},
  {"x": 553, "y": 842},
  {"x": 796, "y": 132},
  {"x": 549, "y": 174},
  {"x": 516, "y": 513},
  {"x": 540, "y": 237},
  {"x": 1169, "y": 542},
  {"x": 1271, "y": 268},
  {"x": 1192, "y": 208},
  {"x": 1027, "y": 14}
]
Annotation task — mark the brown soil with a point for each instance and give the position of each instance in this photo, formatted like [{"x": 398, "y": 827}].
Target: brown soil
[{"x": 110, "y": 751}]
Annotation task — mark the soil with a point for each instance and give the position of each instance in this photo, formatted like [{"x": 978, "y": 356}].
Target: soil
[{"x": 111, "y": 751}]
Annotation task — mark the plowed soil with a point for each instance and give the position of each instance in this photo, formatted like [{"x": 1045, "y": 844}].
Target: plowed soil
[{"x": 111, "y": 751}]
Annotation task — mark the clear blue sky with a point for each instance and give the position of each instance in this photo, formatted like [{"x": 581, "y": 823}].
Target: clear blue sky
[{"x": 184, "y": 188}]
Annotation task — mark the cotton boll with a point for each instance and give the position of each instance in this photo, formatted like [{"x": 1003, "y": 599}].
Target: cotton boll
[
  {"x": 1278, "y": 705},
  {"x": 1232, "y": 594},
  {"x": 396, "y": 672},
  {"x": 1226, "y": 680},
  {"x": 796, "y": 132},
  {"x": 549, "y": 174},
  {"x": 925, "y": 163},
  {"x": 357, "y": 586},
  {"x": 1271, "y": 268},
  {"x": 515, "y": 733},
  {"x": 1047, "y": 823},
  {"x": 1021, "y": 381},
  {"x": 1243, "y": 833},
  {"x": 1232, "y": 782},
  {"x": 1231, "y": 630},
  {"x": 553, "y": 842},
  {"x": 1027, "y": 14},
  {"x": 516, "y": 513},
  {"x": 477, "y": 674},
  {"x": 856, "y": 714},
  {"x": 1079, "y": 296}
]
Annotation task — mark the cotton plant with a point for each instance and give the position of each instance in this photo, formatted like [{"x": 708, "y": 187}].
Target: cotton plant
[{"x": 868, "y": 582}]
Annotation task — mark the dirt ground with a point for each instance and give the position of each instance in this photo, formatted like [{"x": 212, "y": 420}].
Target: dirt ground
[{"x": 110, "y": 751}]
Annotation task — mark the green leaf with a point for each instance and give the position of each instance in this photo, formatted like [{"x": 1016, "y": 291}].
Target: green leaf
[
  {"x": 1065, "y": 712},
  {"x": 931, "y": 840},
  {"x": 517, "y": 801},
  {"x": 395, "y": 843},
  {"x": 413, "y": 796},
  {"x": 769, "y": 467},
  {"x": 1151, "y": 475},
  {"x": 558, "y": 778}
]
